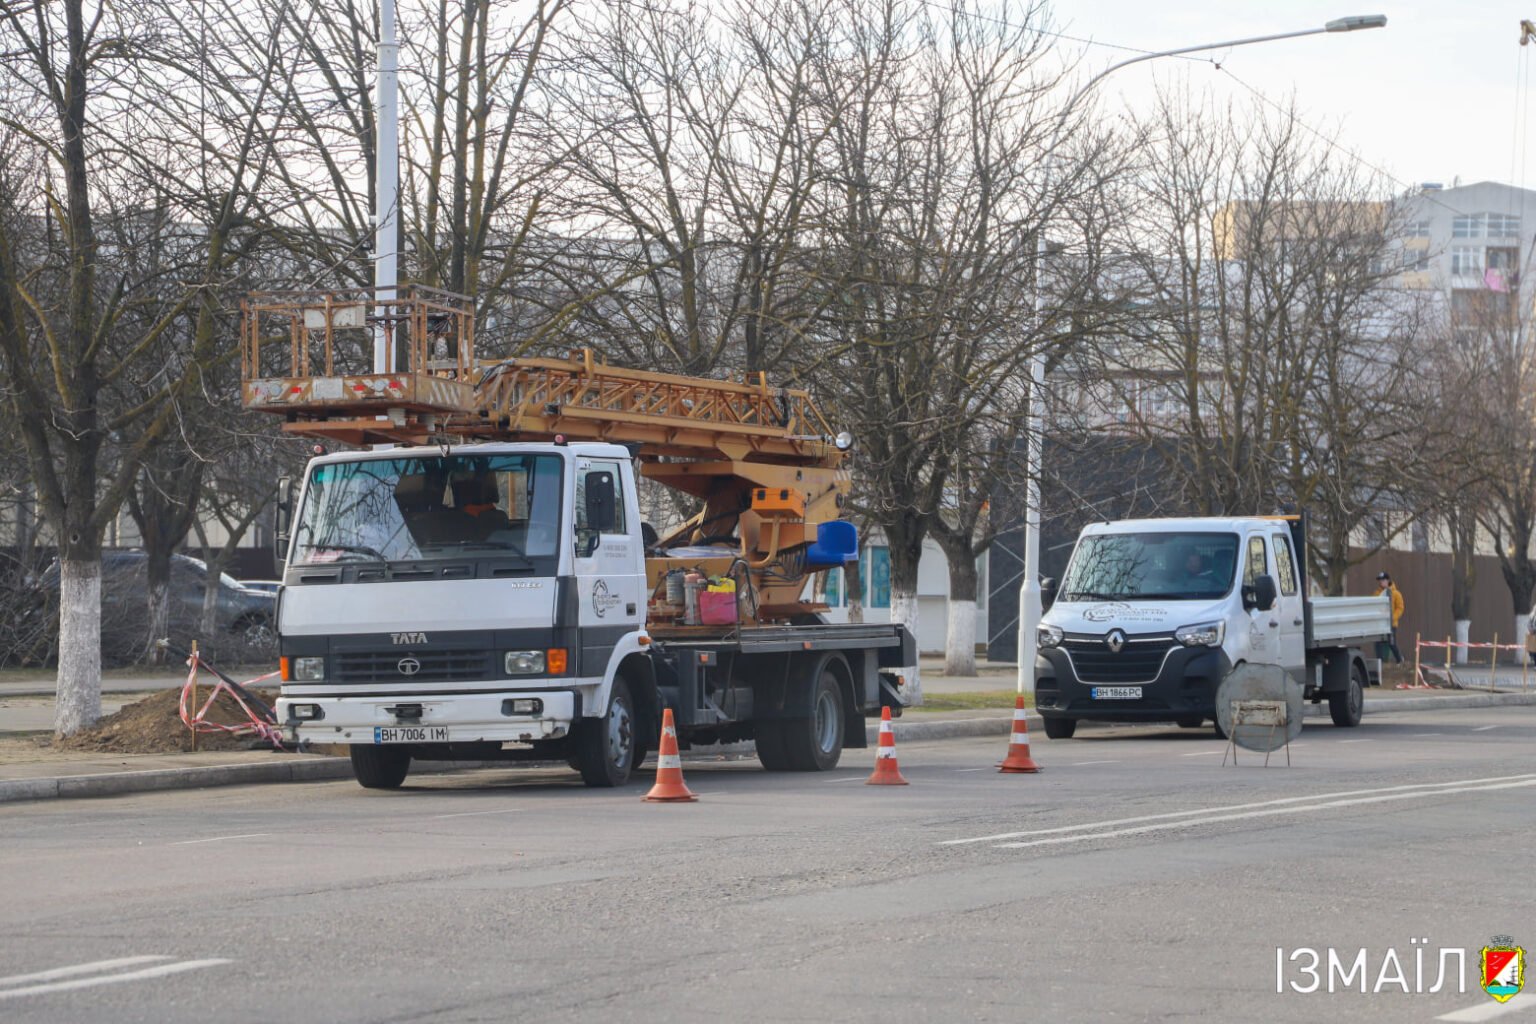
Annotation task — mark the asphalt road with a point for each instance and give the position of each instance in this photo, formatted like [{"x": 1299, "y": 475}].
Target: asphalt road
[{"x": 1135, "y": 879}]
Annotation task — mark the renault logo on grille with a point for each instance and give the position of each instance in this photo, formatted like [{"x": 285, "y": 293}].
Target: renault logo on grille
[
  {"x": 410, "y": 666},
  {"x": 1114, "y": 639}
]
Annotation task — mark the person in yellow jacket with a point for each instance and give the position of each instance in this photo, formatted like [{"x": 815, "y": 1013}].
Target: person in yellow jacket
[{"x": 1384, "y": 582}]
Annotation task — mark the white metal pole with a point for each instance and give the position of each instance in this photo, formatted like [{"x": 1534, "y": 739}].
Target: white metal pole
[
  {"x": 386, "y": 193},
  {"x": 1029, "y": 591}
]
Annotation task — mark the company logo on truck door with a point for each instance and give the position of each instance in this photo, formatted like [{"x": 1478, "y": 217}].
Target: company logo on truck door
[{"x": 602, "y": 599}]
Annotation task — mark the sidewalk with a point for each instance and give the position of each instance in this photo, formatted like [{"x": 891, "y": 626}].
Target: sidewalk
[{"x": 30, "y": 772}]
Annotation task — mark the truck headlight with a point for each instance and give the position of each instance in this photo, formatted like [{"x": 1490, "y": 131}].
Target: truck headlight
[
  {"x": 308, "y": 669},
  {"x": 1207, "y": 634},
  {"x": 1047, "y": 636},
  {"x": 524, "y": 663}
]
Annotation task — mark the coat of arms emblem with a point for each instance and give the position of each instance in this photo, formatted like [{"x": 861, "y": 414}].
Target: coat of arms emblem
[{"x": 1503, "y": 968}]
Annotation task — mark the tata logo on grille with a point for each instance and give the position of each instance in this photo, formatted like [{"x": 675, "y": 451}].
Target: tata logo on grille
[
  {"x": 409, "y": 666},
  {"x": 408, "y": 638},
  {"x": 1114, "y": 640}
]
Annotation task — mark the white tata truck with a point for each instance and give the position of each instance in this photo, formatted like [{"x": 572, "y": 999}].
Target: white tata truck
[
  {"x": 473, "y": 579},
  {"x": 1152, "y": 614}
]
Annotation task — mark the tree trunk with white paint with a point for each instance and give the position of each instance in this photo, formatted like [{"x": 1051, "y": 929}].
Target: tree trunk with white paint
[
  {"x": 960, "y": 640},
  {"x": 904, "y": 611},
  {"x": 1463, "y": 630},
  {"x": 78, "y": 689}
]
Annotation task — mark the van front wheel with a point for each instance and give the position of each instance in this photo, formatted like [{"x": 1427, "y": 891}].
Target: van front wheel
[{"x": 1060, "y": 728}]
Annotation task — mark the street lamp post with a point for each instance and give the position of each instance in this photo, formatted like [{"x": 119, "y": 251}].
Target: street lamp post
[{"x": 1029, "y": 592}]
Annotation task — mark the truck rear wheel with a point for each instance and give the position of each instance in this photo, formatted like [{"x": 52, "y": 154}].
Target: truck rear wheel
[
  {"x": 814, "y": 743},
  {"x": 380, "y": 766},
  {"x": 1346, "y": 708},
  {"x": 1060, "y": 728},
  {"x": 605, "y": 747},
  {"x": 770, "y": 745}
]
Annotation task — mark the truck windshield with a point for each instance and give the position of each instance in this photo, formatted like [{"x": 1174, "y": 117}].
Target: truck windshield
[
  {"x": 1151, "y": 566},
  {"x": 424, "y": 509}
]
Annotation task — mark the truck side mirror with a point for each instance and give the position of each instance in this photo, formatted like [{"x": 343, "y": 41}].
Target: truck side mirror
[
  {"x": 1262, "y": 595},
  {"x": 282, "y": 519},
  {"x": 1048, "y": 587}
]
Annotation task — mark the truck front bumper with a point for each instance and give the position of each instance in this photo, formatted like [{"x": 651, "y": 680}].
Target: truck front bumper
[
  {"x": 1183, "y": 686},
  {"x": 514, "y": 716}
]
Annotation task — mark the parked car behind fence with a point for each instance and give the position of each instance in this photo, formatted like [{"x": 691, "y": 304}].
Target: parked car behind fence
[{"x": 243, "y": 616}]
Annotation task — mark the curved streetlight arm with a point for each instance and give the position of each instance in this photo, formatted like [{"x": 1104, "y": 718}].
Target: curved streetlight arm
[{"x": 1029, "y": 592}]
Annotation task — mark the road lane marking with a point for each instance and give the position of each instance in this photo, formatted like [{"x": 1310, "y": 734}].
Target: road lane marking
[
  {"x": 1485, "y": 728},
  {"x": 162, "y": 971},
  {"x": 1205, "y": 753},
  {"x": 1280, "y": 802},
  {"x": 1079, "y": 764},
  {"x": 1354, "y": 741},
  {"x": 970, "y": 769},
  {"x": 472, "y": 814},
  {"x": 1488, "y": 1011},
  {"x": 1165, "y": 826},
  {"x": 69, "y": 972},
  {"x": 855, "y": 778},
  {"x": 220, "y": 839}
]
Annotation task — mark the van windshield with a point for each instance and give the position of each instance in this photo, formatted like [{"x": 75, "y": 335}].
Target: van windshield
[
  {"x": 426, "y": 509},
  {"x": 1151, "y": 566}
]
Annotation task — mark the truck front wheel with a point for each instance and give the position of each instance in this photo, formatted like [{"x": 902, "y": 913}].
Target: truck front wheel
[
  {"x": 605, "y": 747},
  {"x": 814, "y": 743},
  {"x": 1346, "y": 708},
  {"x": 380, "y": 766}
]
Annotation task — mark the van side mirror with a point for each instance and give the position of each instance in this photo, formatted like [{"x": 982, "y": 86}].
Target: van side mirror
[
  {"x": 1262, "y": 595},
  {"x": 282, "y": 519},
  {"x": 1048, "y": 587}
]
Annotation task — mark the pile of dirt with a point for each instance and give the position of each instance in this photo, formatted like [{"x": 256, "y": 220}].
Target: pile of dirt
[{"x": 154, "y": 726}]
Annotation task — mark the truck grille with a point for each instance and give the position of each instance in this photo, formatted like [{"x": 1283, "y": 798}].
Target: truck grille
[
  {"x": 1136, "y": 663},
  {"x": 434, "y": 666}
]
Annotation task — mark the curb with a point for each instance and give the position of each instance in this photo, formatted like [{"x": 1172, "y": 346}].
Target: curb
[
  {"x": 326, "y": 769},
  {"x": 116, "y": 783}
]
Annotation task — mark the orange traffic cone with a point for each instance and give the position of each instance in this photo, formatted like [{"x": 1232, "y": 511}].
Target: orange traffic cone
[
  {"x": 1018, "y": 759},
  {"x": 886, "y": 772},
  {"x": 669, "y": 786}
]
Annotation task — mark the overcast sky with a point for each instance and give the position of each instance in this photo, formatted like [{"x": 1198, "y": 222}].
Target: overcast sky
[{"x": 1441, "y": 92}]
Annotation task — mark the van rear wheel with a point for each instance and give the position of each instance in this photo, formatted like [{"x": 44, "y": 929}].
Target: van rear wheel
[{"x": 1346, "y": 708}]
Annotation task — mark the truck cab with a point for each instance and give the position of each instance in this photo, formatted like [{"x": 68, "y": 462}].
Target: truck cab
[
  {"x": 439, "y": 601},
  {"x": 1151, "y": 615}
]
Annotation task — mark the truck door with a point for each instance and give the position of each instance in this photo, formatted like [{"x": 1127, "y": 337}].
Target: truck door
[
  {"x": 1289, "y": 610},
  {"x": 609, "y": 564}
]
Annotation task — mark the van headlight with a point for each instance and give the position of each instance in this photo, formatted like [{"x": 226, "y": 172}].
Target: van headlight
[
  {"x": 1206, "y": 634},
  {"x": 1047, "y": 636}
]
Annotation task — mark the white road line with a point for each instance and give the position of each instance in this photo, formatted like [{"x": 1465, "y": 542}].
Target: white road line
[
  {"x": 855, "y": 778},
  {"x": 109, "y": 979},
  {"x": 1205, "y": 753},
  {"x": 1488, "y": 1011},
  {"x": 1485, "y": 728},
  {"x": 220, "y": 839},
  {"x": 67, "y": 972},
  {"x": 970, "y": 769},
  {"x": 1166, "y": 826},
  {"x": 1354, "y": 741},
  {"x": 472, "y": 814},
  {"x": 1079, "y": 764},
  {"x": 1282, "y": 801}
]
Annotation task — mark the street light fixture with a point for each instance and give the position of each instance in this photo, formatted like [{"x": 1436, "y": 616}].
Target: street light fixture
[{"x": 1029, "y": 592}]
